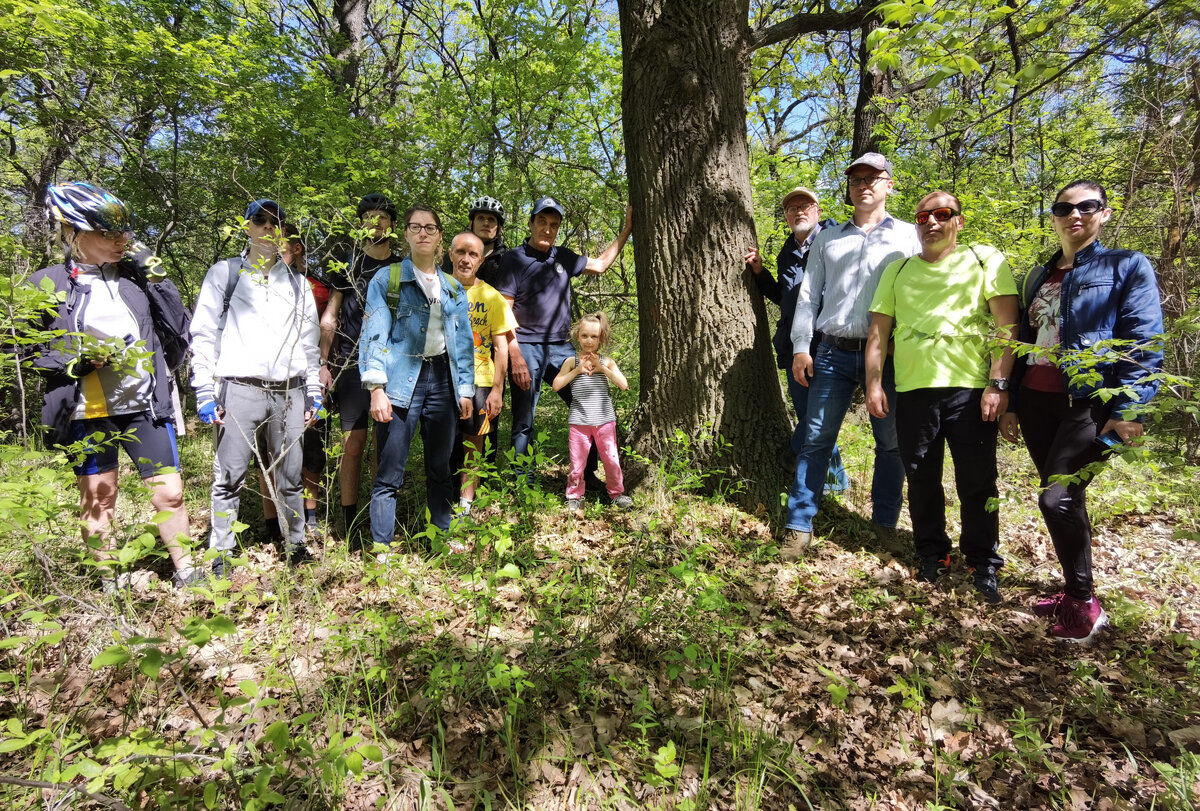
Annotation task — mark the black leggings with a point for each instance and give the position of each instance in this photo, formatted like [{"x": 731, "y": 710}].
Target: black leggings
[{"x": 1061, "y": 438}]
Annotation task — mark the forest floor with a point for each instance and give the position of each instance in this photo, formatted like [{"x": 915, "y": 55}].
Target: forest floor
[{"x": 659, "y": 658}]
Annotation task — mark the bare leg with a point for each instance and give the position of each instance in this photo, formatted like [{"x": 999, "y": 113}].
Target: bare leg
[
  {"x": 97, "y": 503},
  {"x": 166, "y": 494}
]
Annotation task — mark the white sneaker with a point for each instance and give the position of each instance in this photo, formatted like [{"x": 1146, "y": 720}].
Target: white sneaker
[{"x": 464, "y": 507}]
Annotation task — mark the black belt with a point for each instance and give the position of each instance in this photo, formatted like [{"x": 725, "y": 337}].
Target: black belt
[
  {"x": 845, "y": 344},
  {"x": 269, "y": 385}
]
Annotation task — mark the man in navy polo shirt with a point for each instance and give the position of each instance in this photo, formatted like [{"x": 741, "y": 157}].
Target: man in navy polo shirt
[{"x": 536, "y": 279}]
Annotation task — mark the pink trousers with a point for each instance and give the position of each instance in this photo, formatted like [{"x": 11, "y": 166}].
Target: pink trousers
[{"x": 579, "y": 439}]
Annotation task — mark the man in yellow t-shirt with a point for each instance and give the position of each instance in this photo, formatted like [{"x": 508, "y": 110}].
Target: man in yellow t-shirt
[
  {"x": 945, "y": 303},
  {"x": 492, "y": 324}
]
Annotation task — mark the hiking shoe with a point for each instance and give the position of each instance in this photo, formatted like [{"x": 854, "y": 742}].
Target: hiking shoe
[
  {"x": 187, "y": 576},
  {"x": 932, "y": 569},
  {"x": 575, "y": 504},
  {"x": 356, "y": 542},
  {"x": 387, "y": 558},
  {"x": 222, "y": 567},
  {"x": 1049, "y": 606},
  {"x": 1078, "y": 620},
  {"x": 623, "y": 503},
  {"x": 464, "y": 508},
  {"x": 795, "y": 543},
  {"x": 984, "y": 581},
  {"x": 313, "y": 534},
  {"x": 298, "y": 556},
  {"x": 889, "y": 538}
]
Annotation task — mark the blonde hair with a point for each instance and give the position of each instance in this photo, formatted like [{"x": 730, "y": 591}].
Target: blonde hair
[{"x": 598, "y": 317}]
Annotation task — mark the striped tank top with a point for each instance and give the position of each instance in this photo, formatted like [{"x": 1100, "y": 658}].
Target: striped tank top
[{"x": 590, "y": 403}]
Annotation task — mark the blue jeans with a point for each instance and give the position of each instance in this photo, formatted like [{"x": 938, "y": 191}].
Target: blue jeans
[
  {"x": 544, "y": 361},
  {"x": 836, "y": 478},
  {"x": 836, "y": 374},
  {"x": 434, "y": 411}
]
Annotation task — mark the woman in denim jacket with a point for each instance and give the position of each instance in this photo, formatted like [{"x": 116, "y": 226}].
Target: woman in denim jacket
[
  {"x": 415, "y": 355},
  {"x": 1085, "y": 295}
]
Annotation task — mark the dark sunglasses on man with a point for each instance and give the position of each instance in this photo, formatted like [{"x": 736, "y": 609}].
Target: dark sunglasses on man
[
  {"x": 943, "y": 214},
  {"x": 262, "y": 218}
]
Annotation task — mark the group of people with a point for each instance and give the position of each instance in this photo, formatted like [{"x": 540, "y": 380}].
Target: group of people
[
  {"x": 418, "y": 342},
  {"x": 948, "y": 348},
  {"x": 951, "y": 352}
]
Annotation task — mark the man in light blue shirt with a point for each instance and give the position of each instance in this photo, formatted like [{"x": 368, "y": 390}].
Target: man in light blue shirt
[{"x": 844, "y": 266}]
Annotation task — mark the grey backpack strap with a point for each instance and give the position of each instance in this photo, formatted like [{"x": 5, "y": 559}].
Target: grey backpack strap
[{"x": 232, "y": 278}]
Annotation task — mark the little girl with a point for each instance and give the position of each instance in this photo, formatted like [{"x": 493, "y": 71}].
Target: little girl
[{"x": 592, "y": 416}]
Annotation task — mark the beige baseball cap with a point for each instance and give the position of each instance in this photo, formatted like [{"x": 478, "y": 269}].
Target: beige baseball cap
[{"x": 799, "y": 191}]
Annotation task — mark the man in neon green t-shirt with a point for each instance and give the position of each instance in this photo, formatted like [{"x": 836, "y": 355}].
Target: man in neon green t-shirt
[
  {"x": 492, "y": 323},
  {"x": 945, "y": 304}
]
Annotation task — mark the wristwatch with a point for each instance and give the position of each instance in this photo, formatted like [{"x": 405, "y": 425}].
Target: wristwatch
[{"x": 999, "y": 383}]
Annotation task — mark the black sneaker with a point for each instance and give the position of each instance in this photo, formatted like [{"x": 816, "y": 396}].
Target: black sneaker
[
  {"x": 933, "y": 568},
  {"x": 357, "y": 542},
  {"x": 298, "y": 556},
  {"x": 984, "y": 581},
  {"x": 222, "y": 567}
]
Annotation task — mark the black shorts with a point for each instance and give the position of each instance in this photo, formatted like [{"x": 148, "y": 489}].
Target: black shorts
[
  {"x": 354, "y": 402},
  {"x": 151, "y": 447},
  {"x": 313, "y": 444},
  {"x": 478, "y": 423}
]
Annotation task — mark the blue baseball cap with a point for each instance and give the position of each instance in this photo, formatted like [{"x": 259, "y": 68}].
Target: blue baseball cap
[
  {"x": 269, "y": 206},
  {"x": 546, "y": 204}
]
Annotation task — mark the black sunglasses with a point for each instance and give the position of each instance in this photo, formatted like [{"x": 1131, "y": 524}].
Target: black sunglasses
[
  {"x": 943, "y": 214},
  {"x": 1085, "y": 207},
  {"x": 264, "y": 219}
]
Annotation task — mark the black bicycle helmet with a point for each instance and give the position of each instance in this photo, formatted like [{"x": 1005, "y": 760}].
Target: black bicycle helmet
[
  {"x": 486, "y": 205},
  {"x": 87, "y": 208},
  {"x": 377, "y": 202}
]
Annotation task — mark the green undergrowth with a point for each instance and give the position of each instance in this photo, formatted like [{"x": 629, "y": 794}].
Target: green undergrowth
[{"x": 659, "y": 658}]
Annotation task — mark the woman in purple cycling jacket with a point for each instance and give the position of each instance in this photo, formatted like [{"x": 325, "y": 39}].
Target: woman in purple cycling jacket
[
  {"x": 1086, "y": 294},
  {"x": 107, "y": 373}
]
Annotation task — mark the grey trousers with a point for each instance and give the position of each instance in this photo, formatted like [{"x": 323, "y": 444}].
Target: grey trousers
[{"x": 279, "y": 417}]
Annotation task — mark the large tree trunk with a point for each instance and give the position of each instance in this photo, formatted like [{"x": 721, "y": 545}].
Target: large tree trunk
[
  {"x": 873, "y": 83},
  {"x": 706, "y": 358}
]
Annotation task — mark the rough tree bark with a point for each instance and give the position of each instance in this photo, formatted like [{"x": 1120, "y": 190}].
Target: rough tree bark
[{"x": 705, "y": 352}]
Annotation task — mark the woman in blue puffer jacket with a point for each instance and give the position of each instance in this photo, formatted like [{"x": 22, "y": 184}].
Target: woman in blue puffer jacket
[{"x": 1087, "y": 302}]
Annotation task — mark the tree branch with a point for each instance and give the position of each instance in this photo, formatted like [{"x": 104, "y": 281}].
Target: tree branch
[{"x": 810, "y": 23}]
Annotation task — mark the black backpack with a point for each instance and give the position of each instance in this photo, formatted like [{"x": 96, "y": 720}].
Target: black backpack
[{"x": 172, "y": 320}]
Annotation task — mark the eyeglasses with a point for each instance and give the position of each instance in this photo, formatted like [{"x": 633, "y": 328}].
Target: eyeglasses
[
  {"x": 798, "y": 209},
  {"x": 942, "y": 214},
  {"x": 1085, "y": 207},
  {"x": 416, "y": 228},
  {"x": 859, "y": 180},
  {"x": 264, "y": 219},
  {"x": 114, "y": 236}
]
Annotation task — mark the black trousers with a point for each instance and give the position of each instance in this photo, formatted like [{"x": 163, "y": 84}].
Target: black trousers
[
  {"x": 927, "y": 421},
  {"x": 1061, "y": 438}
]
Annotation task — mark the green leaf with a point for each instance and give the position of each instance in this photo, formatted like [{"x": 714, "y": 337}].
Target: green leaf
[
  {"x": 664, "y": 761},
  {"x": 222, "y": 626},
  {"x": 151, "y": 664},
  {"x": 249, "y": 688},
  {"x": 115, "y": 655},
  {"x": 509, "y": 570},
  {"x": 371, "y": 752}
]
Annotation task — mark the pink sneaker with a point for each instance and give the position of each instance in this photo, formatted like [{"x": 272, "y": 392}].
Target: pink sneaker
[
  {"x": 1078, "y": 620},
  {"x": 1048, "y": 606}
]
